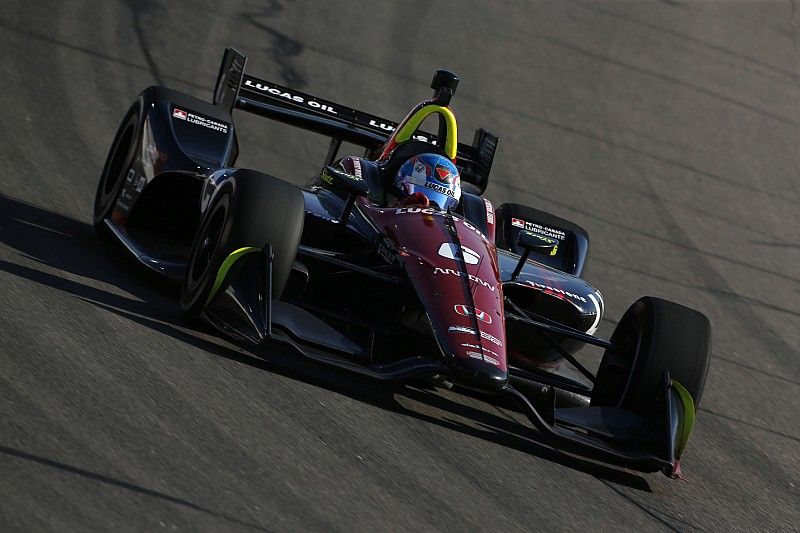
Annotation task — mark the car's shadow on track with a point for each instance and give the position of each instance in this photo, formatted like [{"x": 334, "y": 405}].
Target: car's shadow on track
[{"x": 70, "y": 246}]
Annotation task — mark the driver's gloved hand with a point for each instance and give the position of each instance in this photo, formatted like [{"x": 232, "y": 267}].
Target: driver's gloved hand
[{"x": 416, "y": 199}]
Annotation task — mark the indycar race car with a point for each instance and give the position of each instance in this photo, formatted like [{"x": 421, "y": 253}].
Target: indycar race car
[{"x": 455, "y": 292}]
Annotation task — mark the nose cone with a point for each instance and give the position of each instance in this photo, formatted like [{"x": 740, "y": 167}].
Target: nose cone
[
  {"x": 478, "y": 374},
  {"x": 455, "y": 274}
]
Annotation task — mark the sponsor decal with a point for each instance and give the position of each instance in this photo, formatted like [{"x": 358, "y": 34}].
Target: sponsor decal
[
  {"x": 443, "y": 175},
  {"x": 469, "y": 331},
  {"x": 197, "y": 120},
  {"x": 451, "y": 251},
  {"x": 489, "y": 211},
  {"x": 382, "y": 125},
  {"x": 491, "y": 338},
  {"x": 207, "y": 123},
  {"x": 557, "y": 291},
  {"x": 423, "y": 210},
  {"x": 288, "y": 96},
  {"x": 484, "y": 357},
  {"x": 481, "y": 348},
  {"x": 327, "y": 176},
  {"x": 419, "y": 172},
  {"x": 386, "y": 253},
  {"x": 134, "y": 183},
  {"x": 357, "y": 166},
  {"x": 390, "y": 128},
  {"x": 539, "y": 229},
  {"x": 353, "y": 177},
  {"x": 306, "y": 101},
  {"x": 473, "y": 228},
  {"x": 491, "y": 360},
  {"x": 465, "y": 310},
  {"x": 432, "y": 211},
  {"x": 471, "y": 277},
  {"x": 440, "y": 189}
]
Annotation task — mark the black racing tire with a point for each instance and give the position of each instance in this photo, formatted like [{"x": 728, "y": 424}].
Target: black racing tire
[
  {"x": 656, "y": 336},
  {"x": 120, "y": 157},
  {"x": 248, "y": 209}
]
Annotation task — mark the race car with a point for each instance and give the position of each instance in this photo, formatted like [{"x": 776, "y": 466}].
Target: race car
[{"x": 393, "y": 265}]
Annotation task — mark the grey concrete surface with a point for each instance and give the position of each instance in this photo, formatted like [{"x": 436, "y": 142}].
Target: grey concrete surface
[{"x": 670, "y": 130}]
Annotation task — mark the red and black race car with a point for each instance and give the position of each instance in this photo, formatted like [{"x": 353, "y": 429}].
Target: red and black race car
[{"x": 488, "y": 299}]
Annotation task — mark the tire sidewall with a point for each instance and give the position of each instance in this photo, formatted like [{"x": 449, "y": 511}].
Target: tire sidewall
[
  {"x": 197, "y": 286},
  {"x": 106, "y": 196},
  {"x": 617, "y": 368}
]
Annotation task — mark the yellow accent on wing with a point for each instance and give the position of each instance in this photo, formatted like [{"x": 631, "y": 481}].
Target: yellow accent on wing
[
  {"x": 689, "y": 416},
  {"x": 225, "y": 268}
]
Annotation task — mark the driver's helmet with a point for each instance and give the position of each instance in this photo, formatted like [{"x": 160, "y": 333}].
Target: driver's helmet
[{"x": 434, "y": 176}]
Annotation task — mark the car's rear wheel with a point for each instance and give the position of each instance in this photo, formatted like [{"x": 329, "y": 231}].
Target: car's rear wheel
[
  {"x": 118, "y": 163},
  {"x": 655, "y": 336},
  {"x": 249, "y": 209}
]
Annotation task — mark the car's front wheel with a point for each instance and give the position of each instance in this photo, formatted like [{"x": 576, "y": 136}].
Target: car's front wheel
[
  {"x": 249, "y": 209},
  {"x": 654, "y": 336}
]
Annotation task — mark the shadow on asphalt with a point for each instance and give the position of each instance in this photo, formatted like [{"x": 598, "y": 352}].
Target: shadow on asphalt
[
  {"x": 72, "y": 247},
  {"x": 88, "y": 474}
]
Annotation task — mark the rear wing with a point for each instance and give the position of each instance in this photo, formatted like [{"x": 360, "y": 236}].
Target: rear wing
[{"x": 235, "y": 89}]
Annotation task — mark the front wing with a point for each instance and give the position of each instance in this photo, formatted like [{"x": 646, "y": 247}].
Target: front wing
[{"x": 241, "y": 308}]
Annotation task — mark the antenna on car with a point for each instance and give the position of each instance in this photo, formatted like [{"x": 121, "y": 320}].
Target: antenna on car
[{"x": 444, "y": 86}]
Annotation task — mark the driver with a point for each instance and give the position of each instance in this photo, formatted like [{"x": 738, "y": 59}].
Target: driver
[{"x": 428, "y": 180}]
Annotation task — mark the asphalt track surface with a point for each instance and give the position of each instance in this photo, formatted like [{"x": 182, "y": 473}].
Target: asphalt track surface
[{"x": 670, "y": 130}]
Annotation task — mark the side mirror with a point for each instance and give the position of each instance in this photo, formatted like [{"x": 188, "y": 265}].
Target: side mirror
[
  {"x": 538, "y": 243},
  {"x": 352, "y": 184},
  {"x": 530, "y": 241},
  {"x": 338, "y": 179}
]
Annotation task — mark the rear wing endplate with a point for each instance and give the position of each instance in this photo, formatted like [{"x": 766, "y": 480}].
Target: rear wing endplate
[{"x": 235, "y": 89}]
